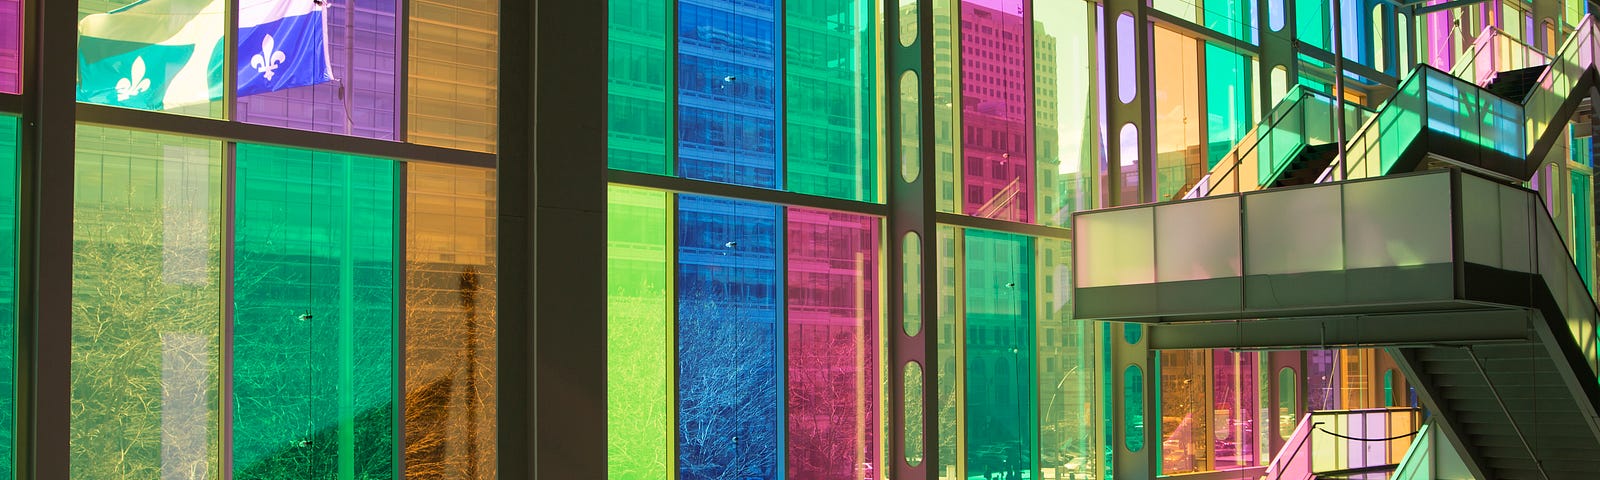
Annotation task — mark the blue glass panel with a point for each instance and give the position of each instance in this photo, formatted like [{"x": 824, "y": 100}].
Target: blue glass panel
[
  {"x": 727, "y": 92},
  {"x": 730, "y": 422}
]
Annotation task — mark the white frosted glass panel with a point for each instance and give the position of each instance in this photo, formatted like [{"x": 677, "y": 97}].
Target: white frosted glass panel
[
  {"x": 1397, "y": 222},
  {"x": 1480, "y": 213},
  {"x": 1198, "y": 240},
  {"x": 1553, "y": 261},
  {"x": 1516, "y": 249},
  {"x": 1293, "y": 231},
  {"x": 1116, "y": 248}
]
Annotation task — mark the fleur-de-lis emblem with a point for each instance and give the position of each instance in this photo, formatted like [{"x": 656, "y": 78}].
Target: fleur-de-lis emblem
[
  {"x": 135, "y": 83},
  {"x": 267, "y": 61}
]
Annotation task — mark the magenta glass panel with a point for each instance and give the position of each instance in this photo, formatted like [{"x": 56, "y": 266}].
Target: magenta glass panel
[
  {"x": 833, "y": 337},
  {"x": 1236, "y": 391},
  {"x": 1439, "y": 51},
  {"x": 10, "y": 46},
  {"x": 997, "y": 109},
  {"x": 363, "y": 48}
]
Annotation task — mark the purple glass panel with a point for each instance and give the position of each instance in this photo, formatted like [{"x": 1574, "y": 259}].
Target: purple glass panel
[
  {"x": 997, "y": 109},
  {"x": 363, "y": 48},
  {"x": 1236, "y": 398},
  {"x": 833, "y": 338},
  {"x": 1322, "y": 380},
  {"x": 10, "y": 46}
]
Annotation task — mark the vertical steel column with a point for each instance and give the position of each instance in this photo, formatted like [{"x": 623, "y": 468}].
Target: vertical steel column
[
  {"x": 552, "y": 382},
  {"x": 44, "y": 294},
  {"x": 1277, "y": 50},
  {"x": 912, "y": 208},
  {"x": 1127, "y": 462},
  {"x": 1139, "y": 109}
]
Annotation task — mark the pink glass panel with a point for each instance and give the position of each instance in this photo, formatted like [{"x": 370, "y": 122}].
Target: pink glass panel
[
  {"x": 997, "y": 109},
  {"x": 1236, "y": 402},
  {"x": 832, "y": 344},
  {"x": 363, "y": 47},
  {"x": 10, "y": 46}
]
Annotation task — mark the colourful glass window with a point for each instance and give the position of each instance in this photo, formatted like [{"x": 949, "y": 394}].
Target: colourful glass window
[
  {"x": 639, "y": 119},
  {"x": 1229, "y": 95},
  {"x": 639, "y": 362},
  {"x": 1066, "y": 361},
  {"x": 315, "y": 315},
  {"x": 1133, "y": 408},
  {"x": 1185, "y": 411},
  {"x": 345, "y": 85},
  {"x": 830, "y": 97},
  {"x": 730, "y": 417},
  {"x": 832, "y": 265},
  {"x": 11, "y": 47},
  {"x": 1001, "y": 412},
  {"x": 9, "y": 129},
  {"x": 1311, "y": 22},
  {"x": 1583, "y": 226},
  {"x": 1235, "y": 395},
  {"x": 950, "y": 414},
  {"x": 947, "y": 136},
  {"x": 1063, "y": 110},
  {"x": 147, "y": 305},
  {"x": 997, "y": 110},
  {"x": 728, "y": 57},
  {"x": 1288, "y": 402},
  {"x": 454, "y": 74},
  {"x": 1178, "y": 113},
  {"x": 165, "y": 56},
  {"x": 451, "y": 273}
]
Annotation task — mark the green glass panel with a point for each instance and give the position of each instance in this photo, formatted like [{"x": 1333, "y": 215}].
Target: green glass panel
[
  {"x": 949, "y": 373},
  {"x": 8, "y": 289},
  {"x": 639, "y": 86},
  {"x": 147, "y": 305},
  {"x": 1066, "y": 366},
  {"x": 1583, "y": 226},
  {"x": 946, "y": 112},
  {"x": 1002, "y": 426},
  {"x": 1288, "y": 406},
  {"x": 829, "y": 86},
  {"x": 910, "y": 127},
  {"x": 1133, "y": 408},
  {"x": 1388, "y": 388},
  {"x": 315, "y": 315},
  {"x": 166, "y": 56},
  {"x": 638, "y": 334},
  {"x": 1229, "y": 91},
  {"x": 913, "y": 413}
]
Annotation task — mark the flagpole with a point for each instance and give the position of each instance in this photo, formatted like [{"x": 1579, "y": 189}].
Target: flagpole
[{"x": 349, "y": 66}]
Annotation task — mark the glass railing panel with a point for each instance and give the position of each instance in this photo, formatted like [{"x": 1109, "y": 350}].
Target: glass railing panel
[
  {"x": 1500, "y": 125},
  {"x": 1556, "y": 84},
  {"x": 1198, "y": 240},
  {"x": 1417, "y": 464},
  {"x": 1281, "y": 142},
  {"x": 1480, "y": 214},
  {"x": 1452, "y": 105},
  {"x": 1517, "y": 208},
  {"x": 1123, "y": 246},
  {"x": 1399, "y": 222},
  {"x": 1294, "y": 461},
  {"x": 1553, "y": 261},
  {"x": 1291, "y": 232}
]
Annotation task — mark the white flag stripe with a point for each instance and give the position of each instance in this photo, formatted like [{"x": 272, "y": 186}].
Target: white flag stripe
[
  {"x": 257, "y": 12},
  {"x": 191, "y": 85}
]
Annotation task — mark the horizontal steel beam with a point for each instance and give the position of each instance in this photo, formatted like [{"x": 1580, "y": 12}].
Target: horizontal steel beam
[
  {"x": 167, "y": 123},
  {"x": 1357, "y": 331},
  {"x": 701, "y": 187}
]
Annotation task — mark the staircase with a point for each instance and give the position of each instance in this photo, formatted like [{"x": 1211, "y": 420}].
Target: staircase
[
  {"x": 1515, "y": 85},
  {"x": 1508, "y": 407},
  {"x": 1307, "y": 166}
]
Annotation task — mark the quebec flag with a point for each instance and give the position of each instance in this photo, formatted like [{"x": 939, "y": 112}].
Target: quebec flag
[{"x": 282, "y": 44}]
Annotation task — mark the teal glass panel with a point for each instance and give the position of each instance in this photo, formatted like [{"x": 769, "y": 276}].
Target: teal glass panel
[
  {"x": 1234, "y": 18},
  {"x": 1000, "y": 405},
  {"x": 315, "y": 315},
  {"x": 146, "y": 306},
  {"x": 1132, "y": 333},
  {"x": 8, "y": 290},
  {"x": 639, "y": 72},
  {"x": 1311, "y": 22},
  {"x": 1583, "y": 226},
  {"x": 1229, "y": 91},
  {"x": 1133, "y": 408},
  {"x": 830, "y": 90},
  {"x": 150, "y": 55}
]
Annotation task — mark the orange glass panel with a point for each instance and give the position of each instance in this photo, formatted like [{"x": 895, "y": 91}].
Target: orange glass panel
[
  {"x": 454, "y": 73},
  {"x": 450, "y": 322}
]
